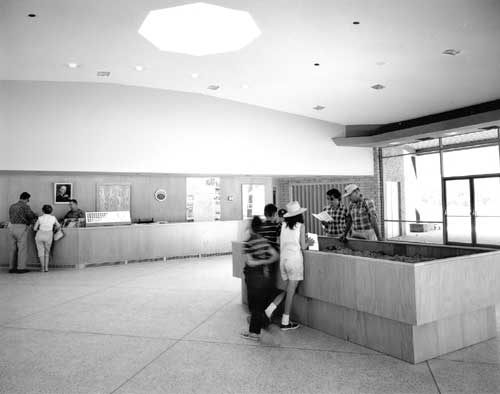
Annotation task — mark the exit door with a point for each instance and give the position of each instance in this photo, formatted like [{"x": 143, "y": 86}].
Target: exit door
[{"x": 472, "y": 210}]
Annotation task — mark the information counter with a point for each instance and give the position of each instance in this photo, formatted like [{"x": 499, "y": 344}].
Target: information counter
[
  {"x": 414, "y": 311},
  {"x": 91, "y": 246}
]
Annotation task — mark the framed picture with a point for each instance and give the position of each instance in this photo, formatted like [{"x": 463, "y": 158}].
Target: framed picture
[{"x": 63, "y": 192}]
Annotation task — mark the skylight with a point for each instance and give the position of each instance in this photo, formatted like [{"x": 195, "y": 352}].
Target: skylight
[{"x": 199, "y": 29}]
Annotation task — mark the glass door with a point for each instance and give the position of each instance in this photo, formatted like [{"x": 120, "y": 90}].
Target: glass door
[
  {"x": 458, "y": 211},
  {"x": 487, "y": 210},
  {"x": 472, "y": 210}
]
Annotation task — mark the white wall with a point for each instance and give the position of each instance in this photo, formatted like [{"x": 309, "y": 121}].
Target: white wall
[{"x": 54, "y": 126}]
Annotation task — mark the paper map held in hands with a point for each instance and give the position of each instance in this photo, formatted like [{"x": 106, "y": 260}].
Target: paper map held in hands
[{"x": 323, "y": 216}]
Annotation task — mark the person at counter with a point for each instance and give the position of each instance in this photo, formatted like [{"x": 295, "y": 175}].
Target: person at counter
[
  {"x": 21, "y": 217},
  {"x": 271, "y": 230},
  {"x": 74, "y": 212},
  {"x": 45, "y": 226},
  {"x": 292, "y": 243},
  {"x": 338, "y": 213},
  {"x": 362, "y": 216}
]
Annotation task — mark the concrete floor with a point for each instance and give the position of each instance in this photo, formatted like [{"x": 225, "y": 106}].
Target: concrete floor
[{"x": 174, "y": 328}]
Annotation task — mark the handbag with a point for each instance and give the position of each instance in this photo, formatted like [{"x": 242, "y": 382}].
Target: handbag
[{"x": 58, "y": 235}]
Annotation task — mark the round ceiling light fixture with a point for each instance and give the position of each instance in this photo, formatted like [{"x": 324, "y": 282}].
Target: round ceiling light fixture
[{"x": 199, "y": 29}]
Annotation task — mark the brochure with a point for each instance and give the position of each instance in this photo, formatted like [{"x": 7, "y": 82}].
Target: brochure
[
  {"x": 323, "y": 216},
  {"x": 314, "y": 237}
]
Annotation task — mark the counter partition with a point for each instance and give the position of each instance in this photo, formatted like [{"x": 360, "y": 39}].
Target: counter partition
[
  {"x": 89, "y": 246},
  {"x": 414, "y": 311}
]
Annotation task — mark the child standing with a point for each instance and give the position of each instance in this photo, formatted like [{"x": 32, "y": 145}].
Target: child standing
[
  {"x": 44, "y": 227},
  {"x": 259, "y": 254},
  {"x": 292, "y": 242}
]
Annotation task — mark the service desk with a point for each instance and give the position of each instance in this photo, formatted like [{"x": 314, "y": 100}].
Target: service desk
[
  {"x": 90, "y": 246},
  {"x": 413, "y": 311}
]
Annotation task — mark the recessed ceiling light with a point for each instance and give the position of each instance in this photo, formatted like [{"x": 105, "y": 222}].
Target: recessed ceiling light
[
  {"x": 199, "y": 29},
  {"x": 244, "y": 86},
  {"x": 451, "y": 52},
  {"x": 32, "y": 15},
  {"x": 378, "y": 86},
  {"x": 139, "y": 68},
  {"x": 452, "y": 133},
  {"x": 395, "y": 143},
  {"x": 213, "y": 87},
  {"x": 103, "y": 73},
  {"x": 319, "y": 107},
  {"x": 195, "y": 75},
  {"x": 72, "y": 65}
]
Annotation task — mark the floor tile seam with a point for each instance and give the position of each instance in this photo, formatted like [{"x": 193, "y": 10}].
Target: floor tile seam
[
  {"x": 467, "y": 361},
  {"x": 171, "y": 346},
  {"x": 285, "y": 347},
  {"x": 433, "y": 377},
  {"x": 51, "y": 330}
]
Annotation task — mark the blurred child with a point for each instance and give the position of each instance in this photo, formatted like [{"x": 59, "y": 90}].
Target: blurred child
[{"x": 259, "y": 253}]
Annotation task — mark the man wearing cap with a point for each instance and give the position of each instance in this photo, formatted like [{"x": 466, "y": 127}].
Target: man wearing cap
[
  {"x": 338, "y": 213},
  {"x": 362, "y": 216},
  {"x": 21, "y": 217}
]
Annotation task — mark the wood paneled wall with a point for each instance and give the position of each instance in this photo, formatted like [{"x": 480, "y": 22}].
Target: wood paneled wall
[{"x": 143, "y": 204}]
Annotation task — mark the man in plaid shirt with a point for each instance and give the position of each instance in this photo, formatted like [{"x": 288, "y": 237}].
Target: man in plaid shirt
[
  {"x": 362, "y": 217},
  {"x": 21, "y": 217},
  {"x": 337, "y": 211}
]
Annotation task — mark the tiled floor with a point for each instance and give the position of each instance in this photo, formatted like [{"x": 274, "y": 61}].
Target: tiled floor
[{"x": 173, "y": 328}]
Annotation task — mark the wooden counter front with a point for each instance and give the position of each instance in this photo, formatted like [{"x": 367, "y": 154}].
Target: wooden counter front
[{"x": 89, "y": 246}]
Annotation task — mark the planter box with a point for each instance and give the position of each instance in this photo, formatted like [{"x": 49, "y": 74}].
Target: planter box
[{"x": 412, "y": 311}]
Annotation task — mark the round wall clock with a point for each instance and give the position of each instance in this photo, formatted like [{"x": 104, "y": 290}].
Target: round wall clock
[{"x": 160, "y": 195}]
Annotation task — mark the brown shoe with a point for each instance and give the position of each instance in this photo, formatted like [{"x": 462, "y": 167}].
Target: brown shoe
[{"x": 23, "y": 271}]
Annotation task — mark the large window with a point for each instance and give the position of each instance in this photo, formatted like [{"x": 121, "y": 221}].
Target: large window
[{"x": 434, "y": 190}]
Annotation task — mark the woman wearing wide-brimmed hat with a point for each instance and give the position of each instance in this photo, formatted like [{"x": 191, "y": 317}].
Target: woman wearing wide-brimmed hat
[{"x": 292, "y": 242}]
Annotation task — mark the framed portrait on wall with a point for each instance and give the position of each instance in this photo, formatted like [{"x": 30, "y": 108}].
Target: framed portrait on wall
[{"x": 63, "y": 192}]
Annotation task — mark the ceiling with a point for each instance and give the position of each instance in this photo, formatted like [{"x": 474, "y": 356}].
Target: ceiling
[{"x": 397, "y": 43}]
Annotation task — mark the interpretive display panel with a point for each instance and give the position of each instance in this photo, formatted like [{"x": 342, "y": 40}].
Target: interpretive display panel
[
  {"x": 113, "y": 197},
  {"x": 203, "y": 199},
  {"x": 253, "y": 199}
]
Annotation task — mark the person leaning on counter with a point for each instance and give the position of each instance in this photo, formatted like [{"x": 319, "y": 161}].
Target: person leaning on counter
[
  {"x": 362, "y": 216},
  {"x": 21, "y": 217},
  {"x": 74, "y": 212}
]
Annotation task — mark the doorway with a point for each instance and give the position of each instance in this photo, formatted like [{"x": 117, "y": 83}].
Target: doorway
[{"x": 472, "y": 210}]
